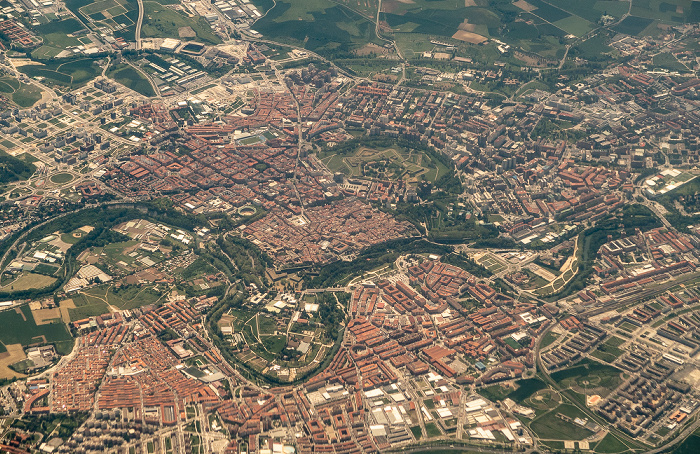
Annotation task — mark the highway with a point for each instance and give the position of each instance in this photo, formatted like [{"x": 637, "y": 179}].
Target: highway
[{"x": 137, "y": 36}]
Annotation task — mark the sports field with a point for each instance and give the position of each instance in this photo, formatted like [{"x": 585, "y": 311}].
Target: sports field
[{"x": 28, "y": 281}]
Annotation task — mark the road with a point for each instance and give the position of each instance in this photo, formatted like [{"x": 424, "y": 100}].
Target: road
[{"x": 139, "y": 22}]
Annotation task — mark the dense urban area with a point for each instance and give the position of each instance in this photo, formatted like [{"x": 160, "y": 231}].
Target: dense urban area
[{"x": 349, "y": 227}]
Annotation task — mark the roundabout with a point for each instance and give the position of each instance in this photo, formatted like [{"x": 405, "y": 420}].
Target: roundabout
[{"x": 61, "y": 178}]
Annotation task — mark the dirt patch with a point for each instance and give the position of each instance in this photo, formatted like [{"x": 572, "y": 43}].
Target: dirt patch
[
  {"x": 87, "y": 228},
  {"x": 59, "y": 243},
  {"x": 468, "y": 3},
  {"x": 83, "y": 256},
  {"x": 525, "y": 6},
  {"x": 371, "y": 49},
  {"x": 39, "y": 339},
  {"x": 25, "y": 62},
  {"x": 65, "y": 314},
  {"x": 44, "y": 316},
  {"x": 469, "y": 37},
  {"x": 394, "y": 6},
  {"x": 15, "y": 353},
  {"x": 186, "y": 32},
  {"x": 21, "y": 313},
  {"x": 466, "y": 26}
]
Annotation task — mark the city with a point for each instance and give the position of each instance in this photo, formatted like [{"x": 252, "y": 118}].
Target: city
[{"x": 249, "y": 226}]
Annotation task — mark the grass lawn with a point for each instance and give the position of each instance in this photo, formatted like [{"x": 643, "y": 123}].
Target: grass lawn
[
  {"x": 432, "y": 430},
  {"x": 668, "y": 61},
  {"x": 29, "y": 281},
  {"x": 8, "y": 144},
  {"x": 61, "y": 178},
  {"x": 125, "y": 298},
  {"x": 417, "y": 432},
  {"x": 608, "y": 351},
  {"x": 70, "y": 239},
  {"x": 615, "y": 341},
  {"x": 86, "y": 306},
  {"x": 26, "y": 95},
  {"x": 610, "y": 444},
  {"x": 548, "y": 339},
  {"x": 551, "y": 426},
  {"x": 274, "y": 344},
  {"x": 129, "y": 77},
  {"x": 8, "y": 84},
  {"x": 73, "y": 73},
  {"x": 589, "y": 375},
  {"x": 526, "y": 388},
  {"x": 574, "y": 25}
]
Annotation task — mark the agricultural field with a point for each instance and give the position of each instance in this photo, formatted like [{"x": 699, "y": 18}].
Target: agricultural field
[
  {"x": 633, "y": 25},
  {"x": 57, "y": 35},
  {"x": 592, "y": 10},
  {"x": 117, "y": 15},
  {"x": 535, "y": 26},
  {"x": 595, "y": 48},
  {"x": 163, "y": 22},
  {"x": 668, "y": 11},
  {"x": 10, "y": 354},
  {"x": 337, "y": 30},
  {"x": 19, "y": 327}
]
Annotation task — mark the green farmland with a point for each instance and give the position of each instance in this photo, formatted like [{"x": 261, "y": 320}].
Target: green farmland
[{"x": 19, "y": 328}]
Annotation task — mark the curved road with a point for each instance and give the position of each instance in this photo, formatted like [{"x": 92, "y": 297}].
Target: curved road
[{"x": 137, "y": 36}]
